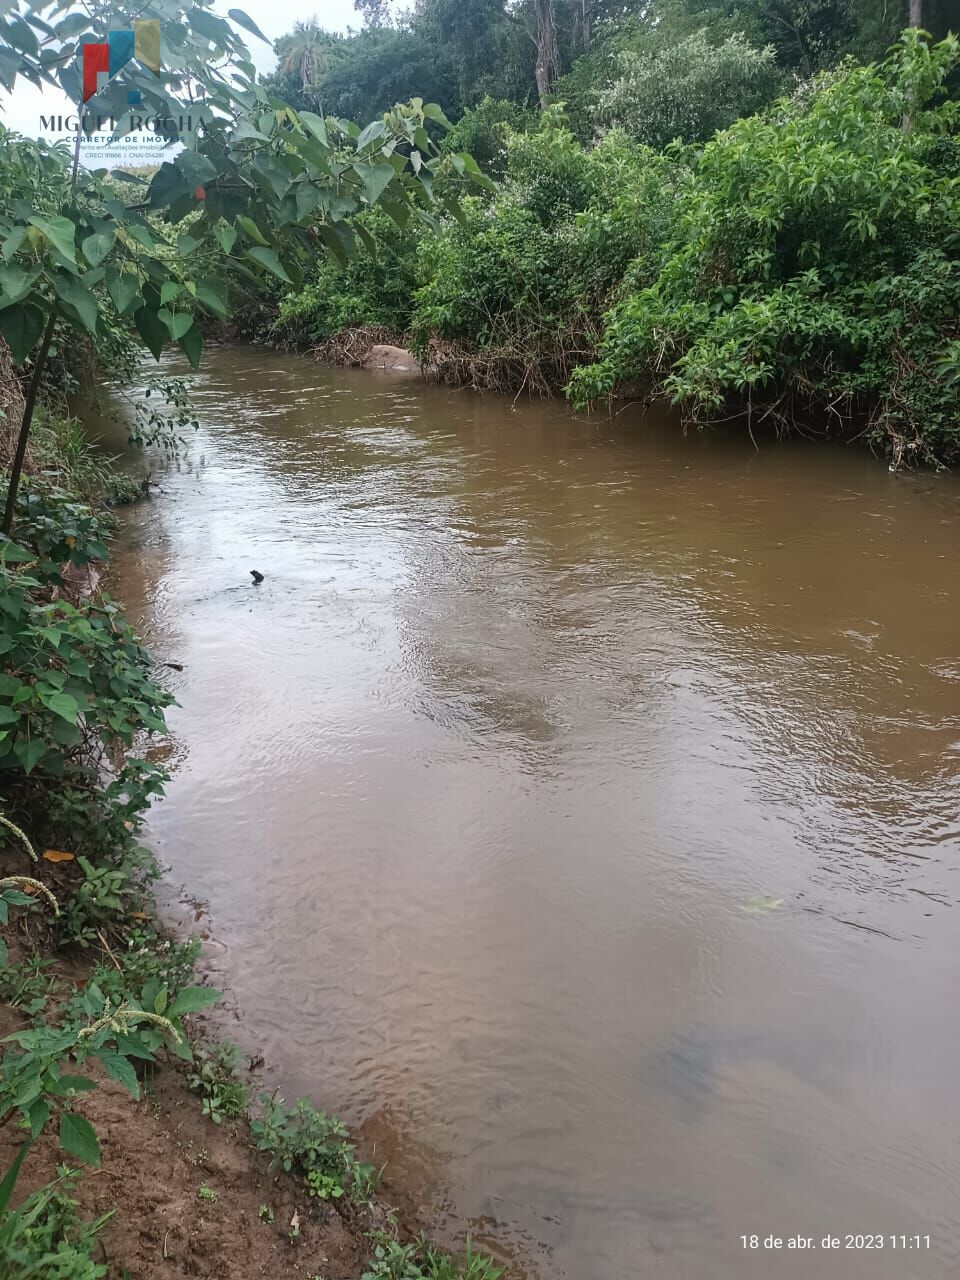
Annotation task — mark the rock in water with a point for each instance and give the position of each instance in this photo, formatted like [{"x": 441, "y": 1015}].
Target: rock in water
[
  {"x": 394, "y": 359},
  {"x": 257, "y": 577}
]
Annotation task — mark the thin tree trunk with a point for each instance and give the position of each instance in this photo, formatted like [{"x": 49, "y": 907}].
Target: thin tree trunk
[
  {"x": 548, "y": 56},
  {"x": 16, "y": 470},
  {"x": 17, "y": 467},
  {"x": 914, "y": 19},
  {"x": 581, "y": 25}
]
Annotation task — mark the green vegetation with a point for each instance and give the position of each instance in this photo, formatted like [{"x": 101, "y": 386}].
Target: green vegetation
[
  {"x": 45, "y": 1239},
  {"x": 214, "y": 1077},
  {"x": 534, "y": 52},
  {"x": 420, "y": 1261},
  {"x": 513, "y": 294},
  {"x": 726, "y": 207},
  {"x": 312, "y": 1146},
  {"x": 815, "y": 266}
]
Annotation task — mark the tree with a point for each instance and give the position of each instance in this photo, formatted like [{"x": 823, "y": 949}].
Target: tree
[
  {"x": 262, "y": 187},
  {"x": 376, "y": 13},
  {"x": 548, "y": 55},
  {"x": 304, "y": 54}
]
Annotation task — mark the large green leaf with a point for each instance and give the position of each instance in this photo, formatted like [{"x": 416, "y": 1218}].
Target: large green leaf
[
  {"x": 72, "y": 26},
  {"x": 211, "y": 27},
  {"x": 275, "y": 175},
  {"x": 63, "y": 705},
  {"x": 60, "y": 232},
  {"x": 97, "y": 246},
  {"x": 22, "y": 326},
  {"x": 375, "y": 178},
  {"x": 17, "y": 33},
  {"x": 78, "y": 1138},
  {"x": 192, "y": 345},
  {"x": 316, "y": 125},
  {"x": 250, "y": 227},
  {"x": 151, "y": 329},
  {"x": 196, "y": 169},
  {"x": 124, "y": 290},
  {"x": 119, "y": 1069},
  {"x": 248, "y": 24},
  {"x": 78, "y": 296},
  {"x": 13, "y": 242},
  {"x": 178, "y": 322},
  {"x": 29, "y": 752},
  {"x": 212, "y": 292},
  {"x": 192, "y": 1000},
  {"x": 375, "y": 129},
  {"x": 267, "y": 258},
  {"x": 433, "y": 112},
  {"x": 10, "y": 65},
  {"x": 226, "y": 237},
  {"x": 15, "y": 284}
]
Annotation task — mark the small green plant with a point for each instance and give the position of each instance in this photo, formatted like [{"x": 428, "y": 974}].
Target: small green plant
[
  {"x": 303, "y": 1141},
  {"x": 322, "y": 1186},
  {"x": 123, "y": 489},
  {"x": 27, "y": 985},
  {"x": 421, "y": 1260},
  {"x": 45, "y": 1237},
  {"x": 214, "y": 1078},
  {"x": 365, "y": 1182},
  {"x": 265, "y": 1213},
  {"x": 206, "y": 1193}
]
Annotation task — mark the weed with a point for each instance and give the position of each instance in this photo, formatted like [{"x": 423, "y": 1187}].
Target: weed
[
  {"x": 265, "y": 1213},
  {"x": 305, "y": 1142},
  {"x": 322, "y": 1186},
  {"x": 214, "y": 1077},
  {"x": 46, "y": 1237},
  {"x": 206, "y": 1193},
  {"x": 123, "y": 489},
  {"x": 27, "y": 985},
  {"x": 422, "y": 1261}
]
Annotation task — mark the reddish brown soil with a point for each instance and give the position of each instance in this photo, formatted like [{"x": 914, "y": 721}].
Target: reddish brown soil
[{"x": 156, "y": 1154}]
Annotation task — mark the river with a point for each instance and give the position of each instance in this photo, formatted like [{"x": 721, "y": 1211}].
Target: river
[{"x": 576, "y": 803}]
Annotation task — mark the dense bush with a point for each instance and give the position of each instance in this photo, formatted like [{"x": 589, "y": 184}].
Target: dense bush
[
  {"x": 690, "y": 89},
  {"x": 815, "y": 261},
  {"x": 371, "y": 289},
  {"x": 522, "y": 282},
  {"x": 483, "y": 131},
  {"x": 74, "y": 682}
]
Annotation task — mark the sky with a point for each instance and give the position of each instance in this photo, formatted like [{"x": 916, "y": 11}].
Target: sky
[{"x": 22, "y": 109}]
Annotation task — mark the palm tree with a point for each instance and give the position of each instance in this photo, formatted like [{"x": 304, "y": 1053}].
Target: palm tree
[{"x": 303, "y": 54}]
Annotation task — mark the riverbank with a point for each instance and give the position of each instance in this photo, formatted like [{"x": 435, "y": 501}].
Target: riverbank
[
  {"x": 759, "y": 278},
  {"x": 178, "y": 1167},
  {"x": 178, "y": 1195}
]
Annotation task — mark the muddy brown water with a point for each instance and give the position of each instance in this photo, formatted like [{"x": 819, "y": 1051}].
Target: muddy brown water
[{"x": 577, "y": 804}]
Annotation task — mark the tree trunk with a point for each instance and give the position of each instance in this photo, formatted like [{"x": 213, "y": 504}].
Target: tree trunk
[
  {"x": 16, "y": 469},
  {"x": 914, "y": 19},
  {"x": 548, "y": 56},
  {"x": 581, "y": 25}
]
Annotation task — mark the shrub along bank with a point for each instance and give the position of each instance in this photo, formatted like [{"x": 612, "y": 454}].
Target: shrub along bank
[{"x": 802, "y": 267}]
